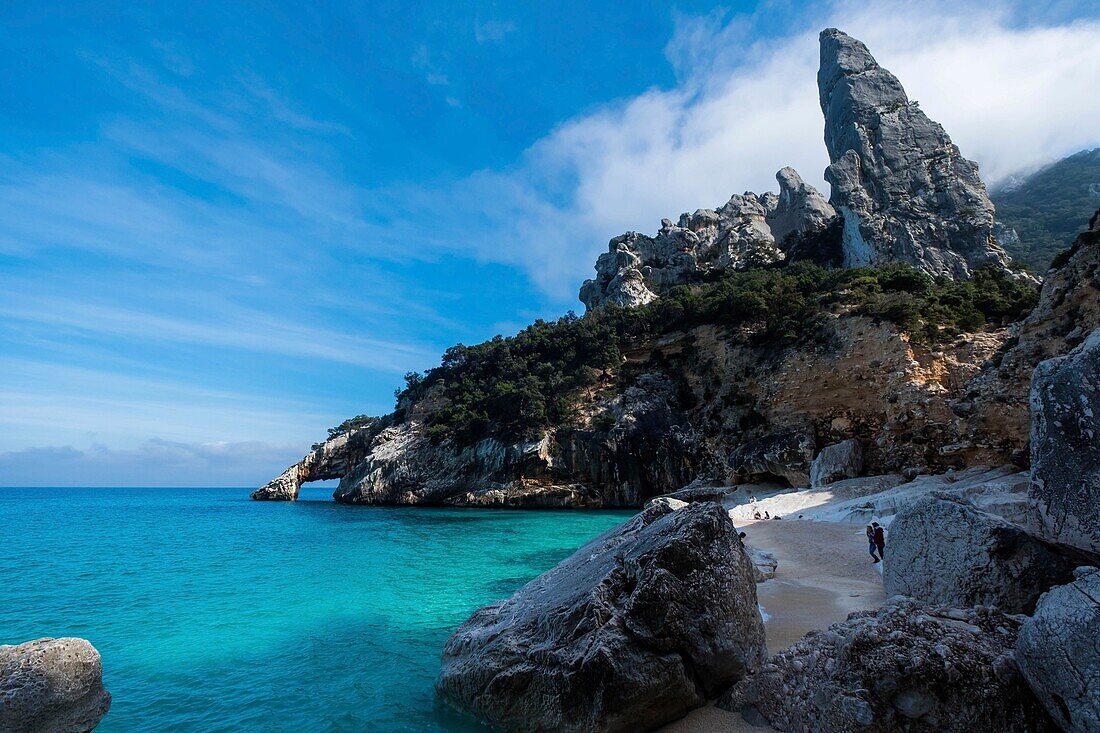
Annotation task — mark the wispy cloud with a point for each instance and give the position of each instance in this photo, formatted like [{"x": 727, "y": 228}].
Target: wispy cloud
[
  {"x": 42, "y": 402},
  {"x": 153, "y": 462},
  {"x": 234, "y": 328},
  {"x": 493, "y": 31}
]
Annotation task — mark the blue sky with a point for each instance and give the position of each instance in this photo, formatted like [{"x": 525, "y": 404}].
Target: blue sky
[{"x": 223, "y": 229}]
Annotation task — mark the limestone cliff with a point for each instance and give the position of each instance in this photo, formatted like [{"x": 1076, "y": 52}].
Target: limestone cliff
[
  {"x": 332, "y": 459},
  {"x": 903, "y": 188},
  {"x": 749, "y": 230}
]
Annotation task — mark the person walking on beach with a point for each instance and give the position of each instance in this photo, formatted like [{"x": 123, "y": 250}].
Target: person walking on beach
[
  {"x": 871, "y": 544},
  {"x": 880, "y": 539}
]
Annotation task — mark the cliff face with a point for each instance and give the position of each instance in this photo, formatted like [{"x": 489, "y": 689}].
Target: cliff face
[
  {"x": 905, "y": 192},
  {"x": 1068, "y": 311},
  {"x": 332, "y": 459},
  {"x": 697, "y": 398}
]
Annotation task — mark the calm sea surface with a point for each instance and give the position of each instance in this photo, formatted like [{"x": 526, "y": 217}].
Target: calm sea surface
[{"x": 217, "y": 613}]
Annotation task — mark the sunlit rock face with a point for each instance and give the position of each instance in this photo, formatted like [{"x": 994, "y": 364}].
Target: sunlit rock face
[
  {"x": 747, "y": 231},
  {"x": 904, "y": 190}
]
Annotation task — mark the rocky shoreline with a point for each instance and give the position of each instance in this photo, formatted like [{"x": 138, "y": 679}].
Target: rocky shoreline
[{"x": 977, "y": 445}]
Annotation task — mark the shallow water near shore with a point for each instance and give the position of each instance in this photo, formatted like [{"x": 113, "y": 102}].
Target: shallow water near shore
[{"x": 216, "y": 613}]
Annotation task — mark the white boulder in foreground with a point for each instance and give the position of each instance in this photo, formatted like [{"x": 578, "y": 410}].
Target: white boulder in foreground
[
  {"x": 51, "y": 686},
  {"x": 1059, "y": 652},
  {"x": 944, "y": 550},
  {"x": 904, "y": 667},
  {"x": 635, "y": 629}
]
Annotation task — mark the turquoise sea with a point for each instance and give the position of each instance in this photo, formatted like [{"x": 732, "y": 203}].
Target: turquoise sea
[{"x": 216, "y": 613}]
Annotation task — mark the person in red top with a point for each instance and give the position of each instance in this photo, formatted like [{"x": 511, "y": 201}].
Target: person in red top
[{"x": 880, "y": 539}]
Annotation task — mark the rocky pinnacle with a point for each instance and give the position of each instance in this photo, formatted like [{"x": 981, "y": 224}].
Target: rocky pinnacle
[{"x": 905, "y": 191}]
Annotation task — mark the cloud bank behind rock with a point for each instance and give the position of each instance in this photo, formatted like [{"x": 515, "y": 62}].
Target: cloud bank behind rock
[{"x": 1011, "y": 96}]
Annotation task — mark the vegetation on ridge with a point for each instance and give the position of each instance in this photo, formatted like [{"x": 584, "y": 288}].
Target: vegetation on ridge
[
  {"x": 1047, "y": 207},
  {"x": 518, "y": 386}
]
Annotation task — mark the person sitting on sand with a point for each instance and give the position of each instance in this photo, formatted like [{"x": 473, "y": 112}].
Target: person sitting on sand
[
  {"x": 766, "y": 515},
  {"x": 871, "y": 543},
  {"x": 880, "y": 539}
]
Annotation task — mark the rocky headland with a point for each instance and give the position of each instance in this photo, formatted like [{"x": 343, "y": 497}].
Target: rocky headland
[
  {"x": 872, "y": 356},
  {"x": 743, "y": 342}
]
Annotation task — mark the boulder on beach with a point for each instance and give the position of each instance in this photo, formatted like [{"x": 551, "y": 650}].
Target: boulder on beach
[
  {"x": 639, "y": 626},
  {"x": 1058, "y": 651},
  {"x": 51, "y": 686},
  {"x": 764, "y": 564},
  {"x": 1065, "y": 448},
  {"x": 836, "y": 462},
  {"x": 904, "y": 667},
  {"x": 945, "y": 550},
  {"x": 785, "y": 456}
]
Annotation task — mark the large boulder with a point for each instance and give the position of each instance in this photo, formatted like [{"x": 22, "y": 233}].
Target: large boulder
[
  {"x": 785, "y": 456},
  {"x": 1065, "y": 448},
  {"x": 835, "y": 462},
  {"x": 945, "y": 550},
  {"x": 639, "y": 626},
  {"x": 51, "y": 686},
  {"x": 904, "y": 667},
  {"x": 1058, "y": 651},
  {"x": 904, "y": 190},
  {"x": 747, "y": 231}
]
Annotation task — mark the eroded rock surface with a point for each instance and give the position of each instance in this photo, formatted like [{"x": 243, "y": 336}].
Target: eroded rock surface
[
  {"x": 636, "y": 628},
  {"x": 649, "y": 448},
  {"x": 836, "y": 462},
  {"x": 1058, "y": 651},
  {"x": 749, "y": 230},
  {"x": 903, "y": 188},
  {"x": 332, "y": 459},
  {"x": 51, "y": 686},
  {"x": 944, "y": 550},
  {"x": 786, "y": 456},
  {"x": 904, "y": 667},
  {"x": 1065, "y": 448}
]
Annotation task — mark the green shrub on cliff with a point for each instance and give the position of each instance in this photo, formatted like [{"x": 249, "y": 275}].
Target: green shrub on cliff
[{"x": 517, "y": 386}]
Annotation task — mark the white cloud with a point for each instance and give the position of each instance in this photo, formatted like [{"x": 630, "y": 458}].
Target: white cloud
[
  {"x": 152, "y": 463},
  {"x": 232, "y": 328},
  {"x": 493, "y": 31},
  {"x": 43, "y": 402},
  {"x": 1011, "y": 97}
]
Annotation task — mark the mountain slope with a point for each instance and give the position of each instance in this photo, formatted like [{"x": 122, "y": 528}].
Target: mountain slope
[{"x": 1046, "y": 208}]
